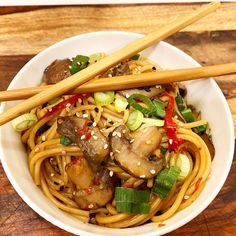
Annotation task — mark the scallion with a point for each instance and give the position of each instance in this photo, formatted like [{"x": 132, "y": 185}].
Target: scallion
[
  {"x": 24, "y": 122},
  {"x": 65, "y": 141},
  {"x": 160, "y": 108},
  {"x": 184, "y": 164},
  {"x": 104, "y": 98},
  {"x": 135, "y": 57},
  {"x": 135, "y": 120},
  {"x": 188, "y": 115},
  {"x": 95, "y": 57},
  {"x": 120, "y": 103},
  {"x": 78, "y": 63},
  {"x": 180, "y": 102}
]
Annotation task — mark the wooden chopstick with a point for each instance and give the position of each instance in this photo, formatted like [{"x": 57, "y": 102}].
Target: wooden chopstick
[
  {"x": 93, "y": 70},
  {"x": 130, "y": 81}
]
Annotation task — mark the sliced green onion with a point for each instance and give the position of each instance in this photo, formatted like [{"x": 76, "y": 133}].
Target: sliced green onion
[
  {"x": 65, "y": 141},
  {"x": 24, "y": 122},
  {"x": 132, "y": 201},
  {"x": 104, "y": 98},
  {"x": 180, "y": 102},
  {"x": 160, "y": 108},
  {"x": 188, "y": 115},
  {"x": 135, "y": 57},
  {"x": 120, "y": 103},
  {"x": 135, "y": 120},
  {"x": 163, "y": 150},
  {"x": 150, "y": 106},
  {"x": 165, "y": 181},
  {"x": 78, "y": 63},
  {"x": 153, "y": 122},
  {"x": 95, "y": 57},
  {"x": 184, "y": 164}
]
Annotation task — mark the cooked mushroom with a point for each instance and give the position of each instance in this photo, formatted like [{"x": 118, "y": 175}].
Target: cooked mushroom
[
  {"x": 91, "y": 190},
  {"x": 57, "y": 71},
  {"x": 95, "y": 145},
  {"x": 147, "y": 91},
  {"x": 133, "y": 157}
]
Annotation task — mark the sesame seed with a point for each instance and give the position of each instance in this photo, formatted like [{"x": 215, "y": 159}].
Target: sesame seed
[
  {"x": 67, "y": 109},
  {"x": 78, "y": 63},
  {"x": 139, "y": 163},
  {"x": 94, "y": 124},
  {"x": 176, "y": 117},
  {"x": 126, "y": 95},
  {"x": 158, "y": 86},
  {"x": 43, "y": 137},
  {"x": 74, "y": 193},
  {"x": 153, "y": 172},
  {"x": 148, "y": 142},
  {"x": 82, "y": 137},
  {"x": 186, "y": 197},
  {"x": 36, "y": 149},
  {"x": 85, "y": 115},
  {"x": 123, "y": 131},
  {"x": 70, "y": 67},
  {"x": 118, "y": 151},
  {"x": 92, "y": 132},
  {"x": 90, "y": 206},
  {"x": 52, "y": 174},
  {"x": 80, "y": 100},
  {"x": 111, "y": 154},
  {"x": 114, "y": 134},
  {"x": 118, "y": 134},
  {"x": 63, "y": 152},
  {"x": 111, "y": 173},
  {"x": 170, "y": 141},
  {"x": 71, "y": 59},
  {"x": 50, "y": 109},
  {"x": 119, "y": 121},
  {"x": 100, "y": 187},
  {"x": 142, "y": 176},
  {"x": 132, "y": 140},
  {"x": 77, "y": 114},
  {"x": 105, "y": 146},
  {"x": 59, "y": 121},
  {"x": 110, "y": 75},
  {"x": 65, "y": 71},
  {"x": 95, "y": 137},
  {"x": 68, "y": 104}
]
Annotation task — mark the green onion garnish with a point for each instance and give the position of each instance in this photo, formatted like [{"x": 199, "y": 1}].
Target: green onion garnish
[
  {"x": 180, "y": 102},
  {"x": 188, "y": 115},
  {"x": 135, "y": 57},
  {"x": 65, "y": 141},
  {"x": 165, "y": 181},
  {"x": 160, "y": 108},
  {"x": 24, "y": 122},
  {"x": 78, "y": 63},
  {"x": 104, "y": 98},
  {"x": 135, "y": 120}
]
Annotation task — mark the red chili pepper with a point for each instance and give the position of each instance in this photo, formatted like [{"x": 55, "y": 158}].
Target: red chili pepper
[
  {"x": 85, "y": 131},
  {"x": 60, "y": 106},
  {"x": 170, "y": 126},
  {"x": 197, "y": 184}
]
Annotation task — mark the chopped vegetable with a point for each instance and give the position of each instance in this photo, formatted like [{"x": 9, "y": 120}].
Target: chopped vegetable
[
  {"x": 78, "y": 63},
  {"x": 180, "y": 102},
  {"x": 65, "y": 141},
  {"x": 165, "y": 181},
  {"x": 24, "y": 122},
  {"x": 120, "y": 103},
  {"x": 163, "y": 150},
  {"x": 160, "y": 108},
  {"x": 135, "y": 57},
  {"x": 95, "y": 57},
  {"x": 151, "y": 109},
  {"x": 188, "y": 115},
  {"x": 132, "y": 201},
  {"x": 184, "y": 164},
  {"x": 104, "y": 98},
  {"x": 135, "y": 120},
  {"x": 153, "y": 122}
]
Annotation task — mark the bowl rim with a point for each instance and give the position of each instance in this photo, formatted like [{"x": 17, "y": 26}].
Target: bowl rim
[{"x": 64, "y": 226}]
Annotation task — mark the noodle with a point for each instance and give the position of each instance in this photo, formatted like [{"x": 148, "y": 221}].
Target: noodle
[{"x": 49, "y": 159}]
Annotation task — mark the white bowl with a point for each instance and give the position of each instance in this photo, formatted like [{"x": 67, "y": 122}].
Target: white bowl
[{"x": 204, "y": 94}]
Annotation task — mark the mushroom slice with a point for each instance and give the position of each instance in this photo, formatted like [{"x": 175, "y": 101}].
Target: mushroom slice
[{"x": 133, "y": 158}]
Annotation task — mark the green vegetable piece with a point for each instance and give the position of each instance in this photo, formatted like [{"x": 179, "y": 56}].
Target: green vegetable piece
[
  {"x": 165, "y": 181},
  {"x": 78, "y": 63},
  {"x": 160, "y": 108},
  {"x": 95, "y": 57},
  {"x": 24, "y": 122},
  {"x": 188, "y": 115},
  {"x": 120, "y": 103},
  {"x": 104, "y": 98},
  {"x": 65, "y": 141},
  {"x": 135, "y": 120},
  {"x": 133, "y": 208},
  {"x": 135, "y": 57},
  {"x": 163, "y": 150},
  {"x": 180, "y": 102}
]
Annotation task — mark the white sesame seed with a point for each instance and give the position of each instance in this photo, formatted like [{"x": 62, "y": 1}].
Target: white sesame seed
[
  {"x": 148, "y": 142},
  {"x": 110, "y": 75},
  {"x": 94, "y": 124},
  {"x": 111, "y": 173},
  {"x": 78, "y": 63},
  {"x": 77, "y": 114},
  {"x": 126, "y": 95},
  {"x": 92, "y": 132},
  {"x": 90, "y": 206},
  {"x": 123, "y": 131},
  {"x": 52, "y": 174},
  {"x": 105, "y": 146},
  {"x": 176, "y": 117},
  {"x": 36, "y": 149},
  {"x": 65, "y": 71},
  {"x": 43, "y": 137},
  {"x": 132, "y": 140},
  {"x": 68, "y": 104},
  {"x": 74, "y": 193},
  {"x": 50, "y": 109},
  {"x": 80, "y": 100},
  {"x": 95, "y": 137},
  {"x": 82, "y": 137},
  {"x": 119, "y": 120},
  {"x": 118, "y": 151},
  {"x": 63, "y": 152},
  {"x": 139, "y": 163},
  {"x": 114, "y": 134},
  {"x": 118, "y": 134},
  {"x": 71, "y": 59},
  {"x": 100, "y": 187},
  {"x": 170, "y": 141},
  {"x": 186, "y": 197},
  {"x": 70, "y": 67},
  {"x": 158, "y": 86},
  {"x": 111, "y": 154},
  {"x": 85, "y": 115},
  {"x": 67, "y": 109},
  {"x": 153, "y": 172},
  {"x": 142, "y": 176}
]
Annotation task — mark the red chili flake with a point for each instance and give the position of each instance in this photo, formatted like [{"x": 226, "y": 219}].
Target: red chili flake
[
  {"x": 197, "y": 184},
  {"x": 170, "y": 126},
  {"x": 85, "y": 131},
  {"x": 75, "y": 161}
]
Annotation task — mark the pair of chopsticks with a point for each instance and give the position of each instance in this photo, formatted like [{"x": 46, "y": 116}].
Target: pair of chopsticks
[{"x": 86, "y": 74}]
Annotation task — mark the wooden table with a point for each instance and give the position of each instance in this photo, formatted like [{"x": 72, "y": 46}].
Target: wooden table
[{"x": 24, "y": 31}]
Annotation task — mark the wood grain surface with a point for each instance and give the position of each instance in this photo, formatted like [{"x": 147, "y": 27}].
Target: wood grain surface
[{"x": 24, "y": 31}]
